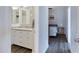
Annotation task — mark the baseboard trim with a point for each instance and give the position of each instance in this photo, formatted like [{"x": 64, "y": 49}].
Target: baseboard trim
[
  {"x": 46, "y": 49},
  {"x": 69, "y": 45}
]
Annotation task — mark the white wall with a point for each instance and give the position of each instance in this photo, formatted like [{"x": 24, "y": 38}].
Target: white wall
[
  {"x": 66, "y": 21},
  {"x": 36, "y": 36},
  {"x": 74, "y": 29},
  {"x": 60, "y": 16},
  {"x": 77, "y": 21},
  {"x": 43, "y": 29},
  {"x": 5, "y": 17},
  {"x": 59, "y": 13}
]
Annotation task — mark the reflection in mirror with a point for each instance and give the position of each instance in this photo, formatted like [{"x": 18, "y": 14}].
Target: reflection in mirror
[
  {"x": 27, "y": 16},
  {"x": 15, "y": 16},
  {"x": 23, "y": 16}
]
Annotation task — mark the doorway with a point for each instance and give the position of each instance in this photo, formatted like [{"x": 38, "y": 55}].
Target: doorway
[{"x": 58, "y": 29}]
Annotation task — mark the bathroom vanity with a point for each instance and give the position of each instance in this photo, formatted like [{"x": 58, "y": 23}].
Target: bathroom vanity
[
  {"x": 23, "y": 37},
  {"x": 22, "y": 30}
]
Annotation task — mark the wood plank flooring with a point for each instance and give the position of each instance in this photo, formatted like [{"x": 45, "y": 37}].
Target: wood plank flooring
[
  {"x": 58, "y": 44},
  {"x": 19, "y": 49}
]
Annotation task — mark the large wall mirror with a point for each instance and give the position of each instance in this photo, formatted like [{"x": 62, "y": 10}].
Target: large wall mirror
[{"x": 22, "y": 16}]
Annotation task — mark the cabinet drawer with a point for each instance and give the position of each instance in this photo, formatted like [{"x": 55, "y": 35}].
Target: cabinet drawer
[
  {"x": 24, "y": 43},
  {"x": 23, "y": 38}
]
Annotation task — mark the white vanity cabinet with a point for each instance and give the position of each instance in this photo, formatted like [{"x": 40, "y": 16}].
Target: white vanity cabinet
[
  {"x": 23, "y": 27},
  {"x": 24, "y": 38}
]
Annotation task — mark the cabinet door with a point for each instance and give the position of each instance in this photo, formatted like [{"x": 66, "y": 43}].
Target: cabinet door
[{"x": 23, "y": 38}]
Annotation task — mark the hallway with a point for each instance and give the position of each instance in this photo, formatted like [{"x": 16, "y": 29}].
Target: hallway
[{"x": 58, "y": 44}]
